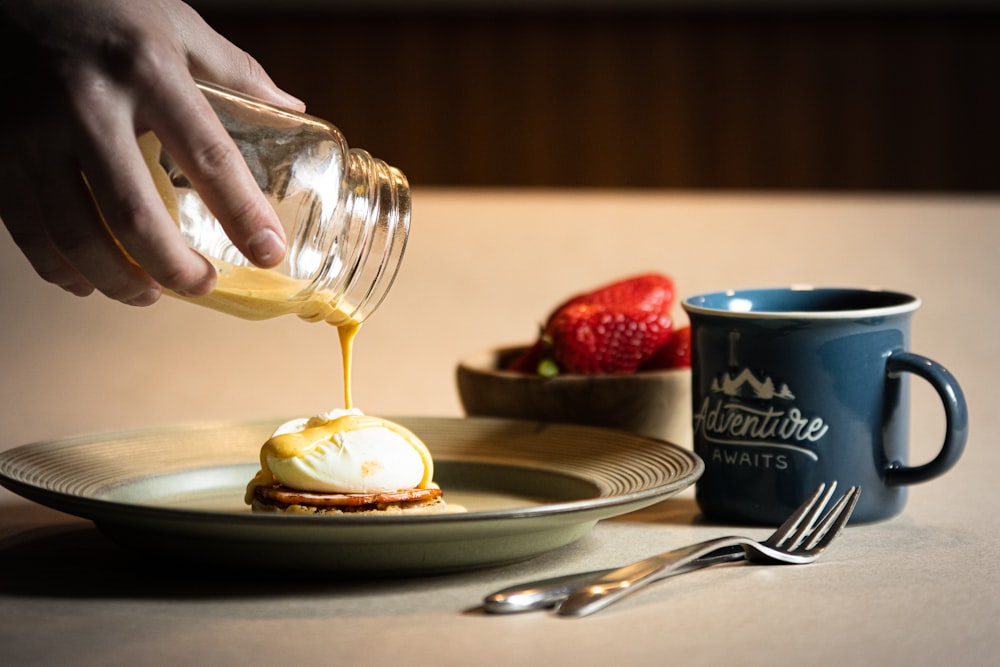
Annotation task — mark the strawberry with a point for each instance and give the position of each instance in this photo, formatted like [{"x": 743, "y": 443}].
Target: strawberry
[
  {"x": 650, "y": 291},
  {"x": 528, "y": 359},
  {"x": 597, "y": 338},
  {"x": 613, "y": 329},
  {"x": 675, "y": 353}
]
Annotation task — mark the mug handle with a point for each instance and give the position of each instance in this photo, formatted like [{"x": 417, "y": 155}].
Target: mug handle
[{"x": 955, "y": 411}]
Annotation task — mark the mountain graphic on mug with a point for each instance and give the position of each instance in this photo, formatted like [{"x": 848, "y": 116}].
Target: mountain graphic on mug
[{"x": 747, "y": 385}]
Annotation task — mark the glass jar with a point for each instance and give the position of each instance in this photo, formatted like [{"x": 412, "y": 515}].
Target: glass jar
[{"x": 345, "y": 214}]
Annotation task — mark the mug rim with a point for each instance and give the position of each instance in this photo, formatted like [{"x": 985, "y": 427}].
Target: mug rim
[{"x": 904, "y": 303}]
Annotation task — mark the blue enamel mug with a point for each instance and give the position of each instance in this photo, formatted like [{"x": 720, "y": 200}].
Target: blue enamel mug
[{"x": 792, "y": 387}]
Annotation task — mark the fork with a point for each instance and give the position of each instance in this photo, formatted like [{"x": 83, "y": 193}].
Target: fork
[
  {"x": 795, "y": 541},
  {"x": 801, "y": 539}
]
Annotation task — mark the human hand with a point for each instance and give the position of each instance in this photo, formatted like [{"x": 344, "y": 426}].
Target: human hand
[{"x": 82, "y": 79}]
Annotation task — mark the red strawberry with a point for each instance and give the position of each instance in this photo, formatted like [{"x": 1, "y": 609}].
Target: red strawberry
[
  {"x": 614, "y": 339},
  {"x": 675, "y": 353},
  {"x": 613, "y": 329},
  {"x": 529, "y": 358},
  {"x": 650, "y": 291}
]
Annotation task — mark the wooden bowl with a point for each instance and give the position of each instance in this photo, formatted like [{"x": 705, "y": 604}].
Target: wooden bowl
[{"x": 656, "y": 404}]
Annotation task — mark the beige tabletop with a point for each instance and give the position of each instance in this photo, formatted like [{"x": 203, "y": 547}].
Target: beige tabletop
[{"x": 482, "y": 268}]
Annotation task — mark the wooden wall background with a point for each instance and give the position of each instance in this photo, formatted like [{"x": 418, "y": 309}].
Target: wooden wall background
[{"x": 858, "y": 100}]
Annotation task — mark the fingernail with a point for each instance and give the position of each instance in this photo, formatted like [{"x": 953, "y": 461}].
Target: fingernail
[
  {"x": 200, "y": 288},
  {"x": 147, "y": 298},
  {"x": 266, "y": 248},
  {"x": 79, "y": 289}
]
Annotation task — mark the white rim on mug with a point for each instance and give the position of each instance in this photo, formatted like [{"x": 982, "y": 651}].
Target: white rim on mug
[{"x": 742, "y": 307}]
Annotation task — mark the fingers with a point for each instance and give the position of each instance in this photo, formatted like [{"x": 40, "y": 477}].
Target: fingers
[
  {"x": 193, "y": 136},
  {"x": 226, "y": 64},
  {"x": 132, "y": 75},
  {"x": 22, "y": 215},
  {"x": 238, "y": 70},
  {"x": 167, "y": 101},
  {"x": 51, "y": 215},
  {"x": 78, "y": 234},
  {"x": 133, "y": 212}
]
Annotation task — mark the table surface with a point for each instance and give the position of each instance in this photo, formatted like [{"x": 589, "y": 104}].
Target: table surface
[{"x": 482, "y": 268}]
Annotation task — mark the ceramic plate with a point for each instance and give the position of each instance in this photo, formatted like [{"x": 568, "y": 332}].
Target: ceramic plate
[{"x": 178, "y": 492}]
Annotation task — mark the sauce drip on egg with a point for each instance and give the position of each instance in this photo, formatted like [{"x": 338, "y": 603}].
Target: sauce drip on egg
[{"x": 345, "y": 452}]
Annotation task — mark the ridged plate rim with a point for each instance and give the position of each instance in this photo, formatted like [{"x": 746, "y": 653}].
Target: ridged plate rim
[{"x": 84, "y": 476}]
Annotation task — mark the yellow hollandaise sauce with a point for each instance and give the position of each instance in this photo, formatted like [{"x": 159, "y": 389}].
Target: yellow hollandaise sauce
[
  {"x": 350, "y": 453},
  {"x": 254, "y": 294},
  {"x": 257, "y": 294}
]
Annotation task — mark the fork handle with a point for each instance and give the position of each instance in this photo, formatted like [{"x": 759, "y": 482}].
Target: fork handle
[
  {"x": 597, "y": 594},
  {"x": 549, "y": 592}
]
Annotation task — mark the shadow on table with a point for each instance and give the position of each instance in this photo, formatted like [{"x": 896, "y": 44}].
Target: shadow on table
[
  {"x": 69, "y": 559},
  {"x": 77, "y": 561}
]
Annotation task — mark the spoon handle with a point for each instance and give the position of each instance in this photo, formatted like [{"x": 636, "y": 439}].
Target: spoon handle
[{"x": 546, "y": 593}]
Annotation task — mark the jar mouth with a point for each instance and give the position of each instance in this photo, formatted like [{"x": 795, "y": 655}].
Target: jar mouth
[{"x": 371, "y": 248}]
